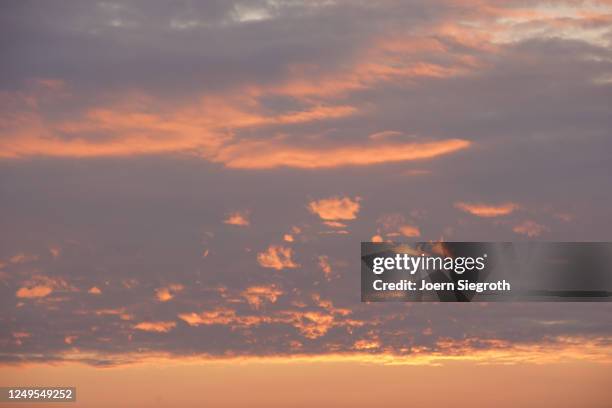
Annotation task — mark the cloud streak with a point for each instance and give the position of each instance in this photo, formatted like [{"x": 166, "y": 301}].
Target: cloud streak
[{"x": 487, "y": 210}]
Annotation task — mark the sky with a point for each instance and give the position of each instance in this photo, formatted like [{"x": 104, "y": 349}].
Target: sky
[{"x": 187, "y": 185}]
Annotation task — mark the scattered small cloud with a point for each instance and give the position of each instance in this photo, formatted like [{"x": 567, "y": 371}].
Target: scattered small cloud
[
  {"x": 219, "y": 315},
  {"x": 55, "y": 251},
  {"x": 335, "y": 224},
  {"x": 335, "y": 208},
  {"x": 94, "y": 290},
  {"x": 276, "y": 257},
  {"x": 530, "y": 228},
  {"x": 23, "y": 258},
  {"x": 487, "y": 210},
  {"x": 70, "y": 339},
  {"x": 37, "y": 291},
  {"x": 257, "y": 295},
  {"x": 167, "y": 293},
  {"x": 156, "y": 327},
  {"x": 41, "y": 286},
  {"x": 325, "y": 266},
  {"x": 410, "y": 231},
  {"x": 366, "y": 344},
  {"x": 395, "y": 225},
  {"x": 239, "y": 218}
]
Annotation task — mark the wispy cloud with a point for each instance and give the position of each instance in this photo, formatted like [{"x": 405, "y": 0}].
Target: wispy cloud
[
  {"x": 487, "y": 210},
  {"x": 155, "y": 326},
  {"x": 272, "y": 154},
  {"x": 529, "y": 228}
]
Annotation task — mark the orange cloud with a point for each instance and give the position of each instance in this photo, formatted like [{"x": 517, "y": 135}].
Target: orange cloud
[
  {"x": 70, "y": 339},
  {"x": 317, "y": 113},
  {"x": 41, "y": 286},
  {"x": 217, "y": 316},
  {"x": 276, "y": 257},
  {"x": 257, "y": 295},
  {"x": 334, "y": 224},
  {"x": 335, "y": 208},
  {"x": 391, "y": 57},
  {"x": 156, "y": 327},
  {"x": 410, "y": 231},
  {"x": 365, "y": 344},
  {"x": 23, "y": 258},
  {"x": 94, "y": 290},
  {"x": 325, "y": 266},
  {"x": 240, "y": 219},
  {"x": 167, "y": 293},
  {"x": 272, "y": 153},
  {"x": 312, "y": 324},
  {"x": 34, "y": 292},
  {"x": 487, "y": 210},
  {"x": 137, "y": 124},
  {"x": 114, "y": 312},
  {"x": 530, "y": 229}
]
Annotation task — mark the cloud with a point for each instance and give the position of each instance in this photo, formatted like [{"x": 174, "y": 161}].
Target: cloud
[
  {"x": 335, "y": 208},
  {"x": 34, "y": 292},
  {"x": 312, "y": 325},
  {"x": 136, "y": 123},
  {"x": 70, "y": 339},
  {"x": 335, "y": 224},
  {"x": 277, "y": 257},
  {"x": 530, "y": 228},
  {"x": 23, "y": 258},
  {"x": 40, "y": 286},
  {"x": 94, "y": 290},
  {"x": 366, "y": 344},
  {"x": 271, "y": 154},
  {"x": 395, "y": 225},
  {"x": 487, "y": 210},
  {"x": 315, "y": 99},
  {"x": 409, "y": 231},
  {"x": 325, "y": 265},
  {"x": 156, "y": 326},
  {"x": 258, "y": 295},
  {"x": 219, "y": 316},
  {"x": 167, "y": 293},
  {"x": 239, "y": 218}
]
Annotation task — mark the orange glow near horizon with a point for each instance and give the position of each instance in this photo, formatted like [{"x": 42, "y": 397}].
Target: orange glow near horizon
[{"x": 337, "y": 384}]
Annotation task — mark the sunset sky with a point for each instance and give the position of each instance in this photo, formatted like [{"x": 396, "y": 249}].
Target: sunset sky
[{"x": 184, "y": 187}]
